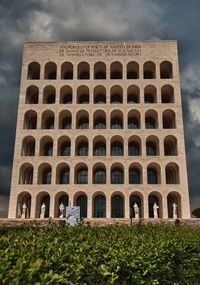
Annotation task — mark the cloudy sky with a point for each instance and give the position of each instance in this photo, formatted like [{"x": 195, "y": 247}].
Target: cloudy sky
[{"x": 52, "y": 20}]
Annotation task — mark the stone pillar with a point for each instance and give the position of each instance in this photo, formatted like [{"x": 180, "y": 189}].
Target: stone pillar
[
  {"x": 108, "y": 206},
  {"x": 89, "y": 206},
  {"x": 33, "y": 207},
  {"x": 127, "y": 210},
  {"x": 164, "y": 207},
  {"x": 146, "y": 206},
  {"x": 51, "y": 206}
]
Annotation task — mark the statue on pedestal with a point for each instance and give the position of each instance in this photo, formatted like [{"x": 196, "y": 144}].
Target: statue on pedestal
[
  {"x": 24, "y": 208},
  {"x": 155, "y": 210},
  {"x": 174, "y": 208},
  {"x": 42, "y": 213},
  {"x": 61, "y": 208},
  {"x": 136, "y": 210}
]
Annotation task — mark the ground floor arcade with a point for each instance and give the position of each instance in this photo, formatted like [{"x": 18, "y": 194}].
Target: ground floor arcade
[{"x": 100, "y": 205}]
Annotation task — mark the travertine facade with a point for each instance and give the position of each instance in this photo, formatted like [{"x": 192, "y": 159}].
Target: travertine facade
[{"x": 100, "y": 126}]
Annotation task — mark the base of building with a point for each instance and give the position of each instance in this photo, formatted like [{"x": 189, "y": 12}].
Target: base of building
[{"x": 194, "y": 222}]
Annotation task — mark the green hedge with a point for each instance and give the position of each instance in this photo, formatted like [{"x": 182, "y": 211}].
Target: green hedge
[{"x": 141, "y": 254}]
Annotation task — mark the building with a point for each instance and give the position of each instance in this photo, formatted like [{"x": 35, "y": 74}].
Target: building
[{"x": 100, "y": 126}]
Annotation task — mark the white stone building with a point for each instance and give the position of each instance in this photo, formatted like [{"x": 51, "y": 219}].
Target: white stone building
[{"x": 100, "y": 126}]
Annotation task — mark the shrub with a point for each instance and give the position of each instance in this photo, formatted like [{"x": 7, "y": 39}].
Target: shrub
[{"x": 141, "y": 254}]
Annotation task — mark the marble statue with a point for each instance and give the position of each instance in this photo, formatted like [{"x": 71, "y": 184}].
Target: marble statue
[
  {"x": 136, "y": 210},
  {"x": 61, "y": 208},
  {"x": 174, "y": 209},
  {"x": 155, "y": 210},
  {"x": 43, "y": 208},
  {"x": 24, "y": 208}
]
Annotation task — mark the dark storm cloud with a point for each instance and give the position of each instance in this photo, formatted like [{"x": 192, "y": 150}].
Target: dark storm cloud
[{"x": 43, "y": 20}]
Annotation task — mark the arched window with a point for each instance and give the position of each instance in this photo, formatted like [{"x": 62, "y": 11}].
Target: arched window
[
  {"x": 99, "y": 176},
  {"x": 50, "y": 70},
  {"x": 83, "y": 71},
  {"x": 42, "y": 198},
  {"x": 64, "y": 146},
  {"x": 167, "y": 94},
  {"x": 166, "y": 70},
  {"x": 46, "y": 146},
  {"x": 67, "y": 71},
  {"x": 47, "y": 120},
  {"x": 32, "y": 94},
  {"x": 132, "y": 99},
  {"x": 116, "y": 95},
  {"x": 83, "y": 149},
  {"x": 28, "y": 146},
  {"x": 33, "y": 71},
  {"x": 23, "y": 197},
  {"x": 172, "y": 173},
  {"x": 151, "y": 148},
  {"x": 100, "y": 95},
  {"x": 83, "y": 123},
  {"x": 133, "y": 94},
  {"x": 99, "y": 209},
  {"x": 116, "y": 99},
  {"x": 134, "y": 198},
  {"x": 49, "y": 123},
  {"x": 82, "y": 176},
  {"x": 61, "y": 197},
  {"x": 116, "y": 70},
  {"x": 117, "y": 149},
  {"x": 83, "y": 95},
  {"x": 116, "y": 123},
  {"x": 150, "y": 123},
  {"x": 133, "y": 148},
  {"x": 133, "y": 70},
  {"x": 133, "y": 123},
  {"x": 65, "y": 120},
  {"x": 48, "y": 149},
  {"x": 148, "y": 98},
  {"x": 65, "y": 149},
  {"x": 133, "y": 119},
  {"x": 151, "y": 119},
  {"x": 26, "y": 174},
  {"x": 100, "y": 149},
  {"x": 117, "y": 207},
  {"x": 30, "y": 120},
  {"x": 117, "y": 176},
  {"x": 84, "y": 99},
  {"x": 149, "y": 70},
  {"x": 150, "y": 94},
  {"x": 64, "y": 176},
  {"x": 66, "y": 123},
  {"x": 152, "y": 176},
  {"x": 99, "y": 119},
  {"x": 82, "y": 120},
  {"x": 49, "y": 95},
  {"x": 169, "y": 119},
  {"x": 174, "y": 198},
  {"x": 100, "y": 123},
  {"x": 170, "y": 145},
  {"x": 100, "y": 99},
  {"x": 66, "y": 95},
  {"x": 134, "y": 175},
  {"x": 46, "y": 176},
  {"x": 82, "y": 203},
  {"x": 99, "y": 70},
  {"x": 154, "y": 199}
]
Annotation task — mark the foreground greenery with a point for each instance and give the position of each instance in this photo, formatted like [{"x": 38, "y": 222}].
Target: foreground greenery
[{"x": 141, "y": 254}]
